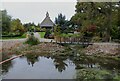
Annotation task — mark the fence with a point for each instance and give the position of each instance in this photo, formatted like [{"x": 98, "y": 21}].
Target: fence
[{"x": 76, "y": 40}]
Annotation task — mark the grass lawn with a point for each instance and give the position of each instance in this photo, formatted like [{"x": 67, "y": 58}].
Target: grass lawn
[
  {"x": 42, "y": 34},
  {"x": 18, "y": 37}
]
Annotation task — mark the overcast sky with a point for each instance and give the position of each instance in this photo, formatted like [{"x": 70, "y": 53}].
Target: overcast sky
[{"x": 36, "y": 11}]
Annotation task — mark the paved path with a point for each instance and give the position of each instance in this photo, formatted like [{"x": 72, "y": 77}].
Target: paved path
[
  {"x": 22, "y": 39},
  {"x": 37, "y": 35}
]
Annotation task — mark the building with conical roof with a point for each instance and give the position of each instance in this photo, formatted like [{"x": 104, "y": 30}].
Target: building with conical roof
[{"x": 47, "y": 22}]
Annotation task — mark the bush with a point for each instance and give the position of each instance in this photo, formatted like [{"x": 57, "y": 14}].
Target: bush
[
  {"x": 43, "y": 29},
  {"x": 24, "y": 35},
  {"x": 96, "y": 39},
  {"x": 47, "y": 33},
  {"x": 69, "y": 35},
  {"x": 32, "y": 40}
]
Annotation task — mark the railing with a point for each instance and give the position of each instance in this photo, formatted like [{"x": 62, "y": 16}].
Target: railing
[{"x": 75, "y": 40}]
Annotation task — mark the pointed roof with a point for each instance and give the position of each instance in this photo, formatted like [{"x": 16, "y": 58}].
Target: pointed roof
[{"x": 47, "y": 22}]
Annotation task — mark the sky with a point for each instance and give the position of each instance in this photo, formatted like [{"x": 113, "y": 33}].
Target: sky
[{"x": 35, "y": 11}]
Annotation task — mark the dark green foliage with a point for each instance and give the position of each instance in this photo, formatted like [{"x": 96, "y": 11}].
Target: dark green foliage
[
  {"x": 104, "y": 16},
  {"x": 9, "y": 25},
  {"x": 62, "y": 22},
  {"x": 31, "y": 27},
  {"x": 16, "y": 27},
  {"x": 6, "y": 19},
  {"x": 47, "y": 33},
  {"x": 32, "y": 40},
  {"x": 57, "y": 30}
]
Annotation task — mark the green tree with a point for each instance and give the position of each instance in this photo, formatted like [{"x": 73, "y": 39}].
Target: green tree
[
  {"x": 29, "y": 26},
  {"x": 62, "y": 22},
  {"x": 103, "y": 16},
  {"x": 16, "y": 26},
  {"x": 6, "y": 19},
  {"x": 57, "y": 30}
]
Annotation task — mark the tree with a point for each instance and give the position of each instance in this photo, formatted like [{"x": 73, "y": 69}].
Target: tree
[
  {"x": 29, "y": 26},
  {"x": 6, "y": 19},
  {"x": 103, "y": 16},
  {"x": 16, "y": 26},
  {"x": 57, "y": 30},
  {"x": 61, "y": 21}
]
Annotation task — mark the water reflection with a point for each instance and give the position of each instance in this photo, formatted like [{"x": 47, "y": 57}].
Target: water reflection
[
  {"x": 94, "y": 68},
  {"x": 31, "y": 58},
  {"x": 60, "y": 64},
  {"x": 6, "y": 66},
  {"x": 85, "y": 67}
]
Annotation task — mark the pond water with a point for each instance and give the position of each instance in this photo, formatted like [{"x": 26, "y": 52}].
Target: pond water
[
  {"x": 43, "y": 68},
  {"x": 39, "y": 67}
]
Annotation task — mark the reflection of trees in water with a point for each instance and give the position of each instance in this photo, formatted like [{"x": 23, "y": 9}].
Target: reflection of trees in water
[
  {"x": 94, "y": 62},
  {"x": 97, "y": 68},
  {"x": 83, "y": 62},
  {"x": 31, "y": 58},
  {"x": 60, "y": 64},
  {"x": 7, "y": 65}
]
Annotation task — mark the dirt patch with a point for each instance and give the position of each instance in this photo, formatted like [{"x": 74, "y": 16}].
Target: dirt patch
[
  {"x": 111, "y": 49},
  {"x": 6, "y": 48},
  {"x": 41, "y": 49}
]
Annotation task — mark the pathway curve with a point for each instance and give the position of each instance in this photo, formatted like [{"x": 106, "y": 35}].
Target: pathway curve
[{"x": 37, "y": 35}]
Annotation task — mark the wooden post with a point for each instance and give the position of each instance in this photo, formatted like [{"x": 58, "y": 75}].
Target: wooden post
[{"x": 60, "y": 40}]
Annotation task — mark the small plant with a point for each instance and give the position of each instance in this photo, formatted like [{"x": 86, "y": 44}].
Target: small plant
[
  {"x": 96, "y": 39},
  {"x": 32, "y": 40}
]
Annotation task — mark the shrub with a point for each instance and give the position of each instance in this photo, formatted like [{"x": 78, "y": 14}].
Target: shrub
[
  {"x": 47, "y": 33},
  {"x": 24, "y": 35},
  {"x": 69, "y": 35},
  {"x": 96, "y": 39},
  {"x": 32, "y": 40},
  {"x": 43, "y": 29}
]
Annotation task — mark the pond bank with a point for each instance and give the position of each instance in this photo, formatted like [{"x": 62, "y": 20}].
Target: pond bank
[
  {"x": 52, "y": 49},
  {"x": 107, "y": 49}
]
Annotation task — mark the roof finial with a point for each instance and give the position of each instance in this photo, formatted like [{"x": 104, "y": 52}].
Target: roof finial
[{"x": 47, "y": 14}]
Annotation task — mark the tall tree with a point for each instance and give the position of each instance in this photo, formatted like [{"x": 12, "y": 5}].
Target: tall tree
[
  {"x": 29, "y": 26},
  {"x": 6, "y": 19},
  {"x": 61, "y": 21},
  {"x": 16, "y": 26},
  {"x": 103, "y": 16}
]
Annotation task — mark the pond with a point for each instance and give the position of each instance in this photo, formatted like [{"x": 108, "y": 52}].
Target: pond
[{"x": 41, "y": 67}]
